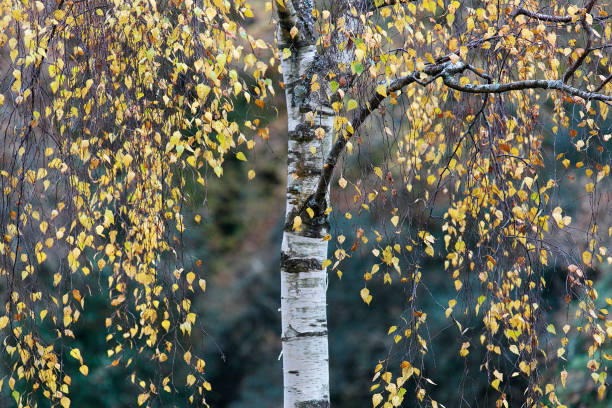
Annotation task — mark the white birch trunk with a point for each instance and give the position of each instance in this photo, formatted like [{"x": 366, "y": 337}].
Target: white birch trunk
[
  {"x": 310, "y": 137},
  {"x": 303, "y": 280}
]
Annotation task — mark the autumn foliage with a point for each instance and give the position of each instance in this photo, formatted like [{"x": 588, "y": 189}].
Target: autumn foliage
[{"x": 487, "y": 112}]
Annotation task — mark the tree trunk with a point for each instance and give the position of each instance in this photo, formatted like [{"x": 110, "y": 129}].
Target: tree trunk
[{"x": 303, "y": 280}]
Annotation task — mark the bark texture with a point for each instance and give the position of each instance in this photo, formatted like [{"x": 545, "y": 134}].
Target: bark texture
[{"x": 303, "y": 281}]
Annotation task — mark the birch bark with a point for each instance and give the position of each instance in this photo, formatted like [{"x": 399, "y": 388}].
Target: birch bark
[{"x": 303, "y": 280}]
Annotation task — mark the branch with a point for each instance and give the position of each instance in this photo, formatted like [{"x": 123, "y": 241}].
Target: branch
[
  {"x": 550, "y": 18},
  {"x": 542, "y": 17},
  {"x": 570, "y": 71},
  {"x": 567, "y": 19},
  {"x": 600, "y": 87},
  {"x": 559, "y": 85},
  {"x": 447, "y": 71},
  {"x": 364, "y": 112}
]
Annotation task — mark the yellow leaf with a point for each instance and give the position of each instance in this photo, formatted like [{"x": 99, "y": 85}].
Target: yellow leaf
[
  {"x": 109, "y": 218},
  {"x": 527, "y": 34},
  {"x": 394, "y": 220},
  {"x": 381, "y": 90},
  {"x": 84, "y": 370},
  {"x": 297, "y": 223},
  {"x": 211, "y": 13},
  {"x": 65, "y": 402},
  {"x": 470, "y": 24},
  {"x": 202, "y": 283},
  {"x": 59, "y": 15},
  {"x": 586, "y": 257},
  {"x": 376, "y": 399},
  {"x": 458, "y": 285},
  {"x": 365, "y": 295},
  {"x": 166, "y": 324},
  {"x": 190, "y": 277},
  {"x": 240, "y": 156},
  {"x": 142, "y": 398},
  {"x": 76, "y": 353},
  {"x": 3, "y": 322},
  {"x": 202, "y": 90},
  {"x": 251, "y": 174},
  {"x": 190, "y": 380}
]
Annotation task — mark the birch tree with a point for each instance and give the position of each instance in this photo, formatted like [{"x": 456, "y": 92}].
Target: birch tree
[
  {"x": 344, "y": 61},
  {"x": 485, "y": 111}
]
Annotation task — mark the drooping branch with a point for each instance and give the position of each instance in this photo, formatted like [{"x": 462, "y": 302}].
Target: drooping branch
[
  {"x": 364, "y": 112},
  {"x": 550, "y": 18},
  {"x": 587, "y": 49},
  {"x": 567, "y": 19},
  {"x": 447, "y": 71},
  {"x": 572, "y": 69},
  {"x": 452, "y": 82}
]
